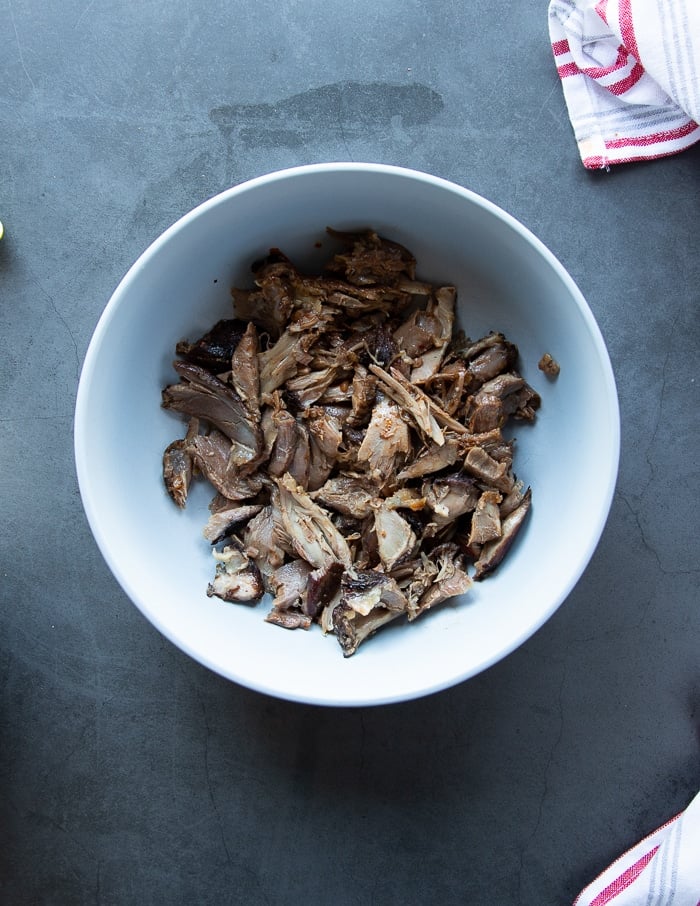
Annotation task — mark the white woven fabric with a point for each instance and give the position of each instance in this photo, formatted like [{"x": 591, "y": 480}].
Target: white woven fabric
[{"x": 630, "y": 70}]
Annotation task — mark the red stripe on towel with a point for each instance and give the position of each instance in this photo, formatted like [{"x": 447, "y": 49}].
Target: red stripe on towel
[
  {"x": 619, "y": 88},
  {"x": 598, "y": 72},
  {"x": 568, "y": 69},
  {"x": 623, "y": 882},
  {"x": 627, "y": 28},
  {"x": 654, "y": 138}
]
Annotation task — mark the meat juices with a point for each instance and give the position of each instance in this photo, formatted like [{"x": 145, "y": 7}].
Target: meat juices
[{"x": 354, "y": 440}]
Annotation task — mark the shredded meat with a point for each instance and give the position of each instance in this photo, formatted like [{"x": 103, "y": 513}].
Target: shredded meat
[{"x": 355, "y": 444}]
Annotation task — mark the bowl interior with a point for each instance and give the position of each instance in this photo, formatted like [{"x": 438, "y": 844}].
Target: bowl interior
[{"x": 506, "y": 281}]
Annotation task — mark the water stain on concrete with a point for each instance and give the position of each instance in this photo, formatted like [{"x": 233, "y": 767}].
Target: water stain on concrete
[{"x": 342, "y": 110}]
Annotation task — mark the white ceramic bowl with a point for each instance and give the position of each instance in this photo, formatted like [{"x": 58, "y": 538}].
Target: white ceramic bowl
[{"x": 507, "y": 280}]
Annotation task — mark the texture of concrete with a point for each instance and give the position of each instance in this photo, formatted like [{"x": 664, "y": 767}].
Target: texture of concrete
[{"x": 131, "y": 774}]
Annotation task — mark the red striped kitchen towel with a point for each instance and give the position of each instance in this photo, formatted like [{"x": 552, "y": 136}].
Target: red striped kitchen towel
[
  {"x": 663, "y": 869},
  {"x": 630, "y": 70}
]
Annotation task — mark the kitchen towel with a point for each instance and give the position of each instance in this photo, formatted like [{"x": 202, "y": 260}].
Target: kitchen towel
[
  {"x": 663, "y": 869},
  {"x": 630, "y": 70}
]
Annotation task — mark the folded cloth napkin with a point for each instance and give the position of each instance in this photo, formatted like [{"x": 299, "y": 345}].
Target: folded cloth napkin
[
  {"x": 663, "y": 869},
  {"x": 630, "y": 70}
]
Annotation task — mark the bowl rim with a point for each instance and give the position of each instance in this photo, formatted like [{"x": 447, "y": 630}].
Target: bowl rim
[{"x": 81, "y": 457}]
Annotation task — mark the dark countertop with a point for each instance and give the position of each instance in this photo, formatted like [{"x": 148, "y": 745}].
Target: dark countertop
[{"x": 130, "y": 774}]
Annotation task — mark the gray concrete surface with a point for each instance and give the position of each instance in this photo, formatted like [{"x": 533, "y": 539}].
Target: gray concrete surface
[{"x": 130, "y": 774}]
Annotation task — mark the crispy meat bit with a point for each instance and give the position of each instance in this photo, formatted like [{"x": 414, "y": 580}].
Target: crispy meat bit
[
  {"x": 281, "y": 361},
  {"x": 368, "y": 601},
  {"x": 307, "y": 388},
  {"x": 237, "y": 577},
  {"x": 322, "y": 586},
  {"x": 245, "y": 371},
  {"x": 375, "y": 345},
  {"x": 212, "y": 454},
  {"x": 178, "y": 464},
  {"x": 494, "y": 552},
  {"x": 289, "y": 619},
  {"x": 412, "y": 402},
  {"x": 266, "y": 540},
  {"x": 396, "y": 539},
  {"x": 300, "y": 466},
  {"x": 387, "y": 441},
  {"x": 428, "y": 328},
  {"x": 350, "y": 496},
  {"x": 177, "y": 471},
  {"x": 451, "y": 497},
  {"x": 433, "y": 459},
  {"x": 371, "y": 259},
  {"x": 513, "y": 499},
  {"x": 309, "y": 527},
  {"x": 499, "y": 397},
  {"x": 442, "y": 311},
  {"x": 486, "y": 519},
  {"x": 223, "y": 522},
  {"x": 491, "y": 357},
  {"x": 549, "y": 365},
  {"x": 488, "y": 470},
  {"x": 364, "y": 388},
  {"x": 352, "y": 628},
  {"x": 215, "y": 349},
  {"x": 284, "y": 444},
  {"x": 289, "y": 583},
  {"x": 451, "y": 579},
  {"x": 369, "y": 589},
  {"x": 272, "y": 304}
]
